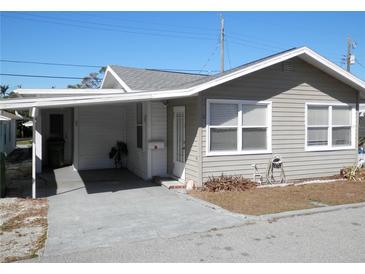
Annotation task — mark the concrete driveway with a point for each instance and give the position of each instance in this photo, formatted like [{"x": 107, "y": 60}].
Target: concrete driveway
[{"x": 101, "y": 208}]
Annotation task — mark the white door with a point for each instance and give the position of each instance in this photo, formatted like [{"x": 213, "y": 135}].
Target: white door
[{"x": 179, "y": 142}]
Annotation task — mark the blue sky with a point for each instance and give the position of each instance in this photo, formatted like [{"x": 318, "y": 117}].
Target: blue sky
[{"x": 165, "y": 40}]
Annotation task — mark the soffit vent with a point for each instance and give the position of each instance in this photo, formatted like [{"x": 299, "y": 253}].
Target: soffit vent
[{"x": 288, "y": 66}]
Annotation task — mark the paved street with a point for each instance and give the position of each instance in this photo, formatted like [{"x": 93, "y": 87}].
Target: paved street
[{"x": 337, "y": 236}]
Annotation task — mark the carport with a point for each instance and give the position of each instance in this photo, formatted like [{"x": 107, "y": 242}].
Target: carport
[{"x": 88, "y": 132}]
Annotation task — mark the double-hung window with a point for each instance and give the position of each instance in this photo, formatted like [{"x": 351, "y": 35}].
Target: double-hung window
[
  {"x": 329, "y": 127},
  {"x": 238, "y": 127}
]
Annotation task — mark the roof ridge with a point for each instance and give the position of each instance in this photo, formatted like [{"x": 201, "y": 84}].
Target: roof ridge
[
  {"x": 161, "y": 70},
  {"x": 253, "y": 61}
]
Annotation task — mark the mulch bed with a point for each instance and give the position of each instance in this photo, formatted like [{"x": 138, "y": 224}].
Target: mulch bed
[
  {"x": 241, "y": 195},
  {"x": 258, "y": 201}
]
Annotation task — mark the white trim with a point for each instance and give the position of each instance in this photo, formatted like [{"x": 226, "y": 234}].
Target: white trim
[
  {"x": 119, "y": 80},
  {"x": 329, "y": 146},
  {"x": 104, "y": 78},
  {"x": 34, "y": 113},
  {"x": 5, "y": 115},
  {"x": 142, "y": 124},
  {"x": 3, "y": 118},
  {"x": 67, "y": 91},
  {"x": 239, "y": 127},
  {"x": 148, "y": 137},
  {"x": 174, "y": 143},
  {"x": 76, "y": 139},
  {"x": 303, "y": 53}
]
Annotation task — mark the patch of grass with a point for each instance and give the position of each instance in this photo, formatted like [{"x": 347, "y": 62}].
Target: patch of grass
[
  {"x": 11, "y": 259},
  {"x": 278, "y": 199},
  {"x": 24, "y": 213},
  {"x": 21, "y": 220}
]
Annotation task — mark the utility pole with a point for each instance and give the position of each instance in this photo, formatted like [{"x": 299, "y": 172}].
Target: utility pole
[
  {"x": 348, "y": 57},
  {"x": 222, "y": 43}
]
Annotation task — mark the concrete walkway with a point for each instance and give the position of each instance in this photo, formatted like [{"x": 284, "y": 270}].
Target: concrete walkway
[{"x": 96, "y": 209}]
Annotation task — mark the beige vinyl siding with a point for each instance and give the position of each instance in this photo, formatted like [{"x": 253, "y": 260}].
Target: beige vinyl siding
[
  {"x": 288, "y": 92},
  {"x": 192, "y": 135}
]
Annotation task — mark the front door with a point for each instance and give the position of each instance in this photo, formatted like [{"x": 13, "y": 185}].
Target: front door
[{"x": 179, "y": 142}]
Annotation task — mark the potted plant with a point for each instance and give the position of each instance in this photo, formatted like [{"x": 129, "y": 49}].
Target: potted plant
[{"x": 117, "y": 153}]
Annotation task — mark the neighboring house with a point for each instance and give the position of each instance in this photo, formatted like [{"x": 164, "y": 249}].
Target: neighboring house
[
  {"x": 7, "y": 131},
  {"x": 295, "y": 104},
  {"x": 362, "y": 120}
]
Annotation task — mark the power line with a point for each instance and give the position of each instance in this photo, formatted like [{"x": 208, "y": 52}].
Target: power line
[
  {"x": 152, "y": 32},
  {"x": 244, "y": 40},
  {"x": 92, "y": 66},
  {"x": 228, "y": 55},
  {"x": 118, "y": 26},
  {"x": 251, "y": 46},
  {"x": 360, "y": 64},
  {"x": 150, "y": 23},
  {"x": 44, "y": 76},
  {"x": 109, "y": 29},
  {"x": 211, "y": 55},
  {"x": 48, "y": 63}
]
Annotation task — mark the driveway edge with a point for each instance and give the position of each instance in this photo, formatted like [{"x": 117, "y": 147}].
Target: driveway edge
[
  {"x": 304, "y": 212},
  {"x": 275, "y": 216}
]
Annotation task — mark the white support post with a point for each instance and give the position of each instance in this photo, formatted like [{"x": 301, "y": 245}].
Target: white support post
[
  {"x": 34, "y": 114},
  {"x": 148, "y": 138},
  {"x": 76, "y": 139}
]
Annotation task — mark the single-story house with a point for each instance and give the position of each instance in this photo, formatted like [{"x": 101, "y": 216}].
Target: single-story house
[
  {"x": 7, "y": 131},
  {"x": 296, "y": 104}
]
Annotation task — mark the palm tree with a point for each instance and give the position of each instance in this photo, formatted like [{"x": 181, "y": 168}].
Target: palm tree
[{"x": 4, "y": 89}]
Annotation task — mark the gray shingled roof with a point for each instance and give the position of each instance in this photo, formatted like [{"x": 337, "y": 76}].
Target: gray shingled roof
[{"x": 153, "y": 79}]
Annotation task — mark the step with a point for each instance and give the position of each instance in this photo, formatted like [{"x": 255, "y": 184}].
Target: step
[{"x": 170, "y": 183}]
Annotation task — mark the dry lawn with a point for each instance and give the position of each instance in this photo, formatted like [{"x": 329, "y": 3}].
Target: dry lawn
[
  {"x": 260, "y": 201},
  {"x": 23, "y": 228}
]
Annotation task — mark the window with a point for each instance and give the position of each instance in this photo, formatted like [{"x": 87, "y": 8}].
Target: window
[
  {"x": 254, "y": 127},
  {"x": 224, "y": 125},
  {"x": 341, "y": 126},
  {"x": 318, "y": 125},
  {"x": 238, "y": 127},
  {"x": 139, "y": 125},
  {"x": 329, "y": 127}
]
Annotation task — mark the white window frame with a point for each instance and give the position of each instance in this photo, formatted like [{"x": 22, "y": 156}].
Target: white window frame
[
  {"x": 239, "y": 127},
  {"x": 329, "y": 146}
]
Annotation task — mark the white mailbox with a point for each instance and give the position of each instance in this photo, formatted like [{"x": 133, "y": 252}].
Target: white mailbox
[{"x": 156, "y": 144}]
